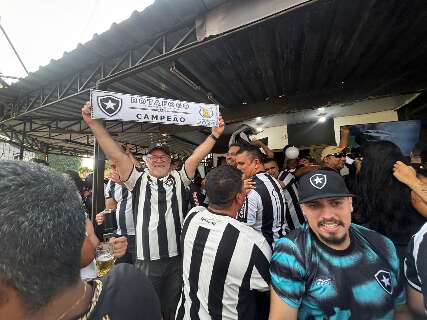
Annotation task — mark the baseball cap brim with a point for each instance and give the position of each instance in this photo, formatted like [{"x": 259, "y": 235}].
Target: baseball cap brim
[
  {"x": 330, "y": 150},
  {"x": 164, "y": 148},
  {"x": 324, "y": 196}
]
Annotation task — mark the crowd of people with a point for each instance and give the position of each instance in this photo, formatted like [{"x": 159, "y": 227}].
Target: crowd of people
[{"x": 248, "y": 241}]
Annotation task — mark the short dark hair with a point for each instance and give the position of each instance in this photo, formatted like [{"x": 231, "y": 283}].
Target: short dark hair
[
  {"x": 253, "y": 152},
  {"x": 267, "y": 160},
  {"x": 235, "y": 144},
  {"x": 42, "y": 220},
  {"x": 74, "y": 175},
  {"x": 223, "y": 183}
]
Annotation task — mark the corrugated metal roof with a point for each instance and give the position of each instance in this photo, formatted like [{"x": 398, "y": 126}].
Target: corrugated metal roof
[
  {"x": 158, "y": 18},
  {"x": 329, "y": 51}
]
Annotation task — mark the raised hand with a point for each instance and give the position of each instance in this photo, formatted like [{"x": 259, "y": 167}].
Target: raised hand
[
  {"x": 120, "y": 245},
  {"x": 99, "y": 218},
  {"x": 218, "y": 131},
  {"x": 404, "y": 173},
  {"x": 87, "y": 113}
]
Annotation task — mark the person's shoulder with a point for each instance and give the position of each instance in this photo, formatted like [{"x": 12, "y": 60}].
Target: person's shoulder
[
  {"x": 422, "y": 232},
  {"x": 369, "y": 234},
  {"x": 198, "y": 210},
  {"x": 296, "y": 239},
  {"x": 419, "y": 240},
  {"x": 375, "y": 240},
  {"x": 124, "y": 274},
  {"x": 125, "y": 292},
  {"x": 250, "y": 234}
]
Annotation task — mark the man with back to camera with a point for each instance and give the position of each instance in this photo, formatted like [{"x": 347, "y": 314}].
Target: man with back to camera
[
  {"x": 331, "y": 268},
  {"x": 40, "y": 265},
  {"x": 159, "y": 208},
  {"x": 225, "y": 262}
]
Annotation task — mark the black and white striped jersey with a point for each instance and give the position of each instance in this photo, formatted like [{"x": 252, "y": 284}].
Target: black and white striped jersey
[
  {"x": 124, "y": 216},
  {"x": 159, "y": 207},
  {"x": 294, "y": 215},
  {"x": 224, "y": 263},
  {"x": 264, "y": 208},
  {"x": 415, "y": 266},
  {"x": 287, "y": 176}
]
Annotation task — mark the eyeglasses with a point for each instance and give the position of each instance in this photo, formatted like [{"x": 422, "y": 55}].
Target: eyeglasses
[
  {"x": 338, "y": 155},
  {"x": 158, "y": 158}
]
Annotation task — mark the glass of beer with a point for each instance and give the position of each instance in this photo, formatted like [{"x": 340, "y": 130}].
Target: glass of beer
[{"x": 104, "y": 258}]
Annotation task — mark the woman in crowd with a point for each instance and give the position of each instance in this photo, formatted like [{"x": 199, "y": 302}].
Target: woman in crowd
[{"x": 383, "y": 203}]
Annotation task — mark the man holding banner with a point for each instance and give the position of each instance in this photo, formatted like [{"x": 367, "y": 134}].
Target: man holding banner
[{"x": 159, "y": 208}]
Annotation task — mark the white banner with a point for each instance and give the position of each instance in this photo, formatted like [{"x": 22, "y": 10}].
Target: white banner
[{"x": 125, "y": 107}]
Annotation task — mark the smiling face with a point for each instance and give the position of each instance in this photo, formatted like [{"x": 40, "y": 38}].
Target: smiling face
[
  {"x": 158, "y": 163},
  {"x": 330, "y": 220},
  {"x": 335, "y": 161},
  {"x": 271, "y": 168}
]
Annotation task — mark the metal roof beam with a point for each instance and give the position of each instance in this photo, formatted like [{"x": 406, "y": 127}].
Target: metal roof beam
[{"x": 23, "y": 105}]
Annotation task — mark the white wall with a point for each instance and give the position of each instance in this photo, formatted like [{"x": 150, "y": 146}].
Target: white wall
[
  {"x": 375, "y": 117},
  {"x": 277, "y": 136},
  {"x": 10, "y": 152}
]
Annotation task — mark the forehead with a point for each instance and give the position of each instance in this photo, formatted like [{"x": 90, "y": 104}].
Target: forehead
[
  {"x": 244, "y": 156},
  {"x": 158, "y": 152},
  {"x": 233, "y": 149}
]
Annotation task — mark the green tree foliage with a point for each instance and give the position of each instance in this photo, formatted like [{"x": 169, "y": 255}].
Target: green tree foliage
[{"x": 62, "y": 163}]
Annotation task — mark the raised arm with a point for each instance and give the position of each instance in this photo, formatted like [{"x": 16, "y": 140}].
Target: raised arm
[
  {"x": 111, "y": 149},
  {"x": 408, "y": 176},
  {"x": 203, "y": 150},
  {"x": 269, "y": 153},
  {"x": 344, "y": 137}
]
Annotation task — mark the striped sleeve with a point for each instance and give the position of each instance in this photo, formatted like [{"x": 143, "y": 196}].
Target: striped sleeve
[
  {"x": 261, "y": 256},
  {"x": 184, "y": 176},
  {"x": 416, "y": 263},
  {"x": 288, "y": 272},
  {"x": 253, "y": 207},
  {"x": 106, "y": 190},
  {"x": 133, "y": 178}
]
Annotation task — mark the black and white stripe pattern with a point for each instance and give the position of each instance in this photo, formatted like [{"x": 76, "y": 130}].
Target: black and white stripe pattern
[
  {"x": 159, "y": 207},
  {"x": 223, "y": 262},
  {"x": 287, "y": 176},
  {"x": 124, "y": 216},
  {"x": 264, "y": 208},
  {"x": 415, "y": 266},
  {"x": 294, "y": 215}
]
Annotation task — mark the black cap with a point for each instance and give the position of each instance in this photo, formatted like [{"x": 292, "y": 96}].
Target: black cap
[
  {"x": 321, "y": 184},
  {"x": 159, "y": 146}
]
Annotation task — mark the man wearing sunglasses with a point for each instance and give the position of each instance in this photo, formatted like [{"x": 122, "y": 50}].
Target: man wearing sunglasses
[{"x": 333, "y": 158}]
